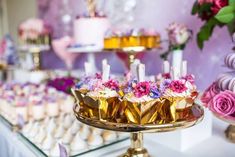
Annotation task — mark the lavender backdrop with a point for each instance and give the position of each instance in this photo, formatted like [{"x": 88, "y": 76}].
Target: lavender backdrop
[{"x": 206, "y": 64}]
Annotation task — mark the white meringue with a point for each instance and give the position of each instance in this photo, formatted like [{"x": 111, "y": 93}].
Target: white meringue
[
  {"x": 77, "y": 144},
  {"x": 34, "y": 130},
  {"x": 75, "y": 127},
  {"x": 55, "y": 151},
  {"x": 47, "y": 142},
  {"x": 96, "y": 131},
  {"x": 109, "y": 136},
  {"x": 51, "y": 125},
  {"x": 59, "y": 132},
  {"x": 67, "y": 121},
  {"x": 67, "y": 137},
  {"x": 41, "y": 135},
  {"x": 27, "y": 127},
  {"x": 84, "y": 131},
  {"x": 94, "y": 140}
]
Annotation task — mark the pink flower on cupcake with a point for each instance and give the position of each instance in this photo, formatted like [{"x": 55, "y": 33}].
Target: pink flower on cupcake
[
  {"x": 210, "y": 92},
  {"x": 223, "y": 103},
  {"x": 112, "y": 84},
  {"x": 177, "y": 86},
  {"x": 142, "y": 89}
]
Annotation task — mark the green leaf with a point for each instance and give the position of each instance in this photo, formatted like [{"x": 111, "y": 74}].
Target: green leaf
[
  {"x": 231, "y": 27},
  {"x": 232, "y": 3},
  {"x": 226, "y": 14},
  {"x": 195, "y": 8},
  {"x": 206, "y": 32}
]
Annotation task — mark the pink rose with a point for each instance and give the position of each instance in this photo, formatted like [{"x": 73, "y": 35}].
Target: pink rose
[
  {"x": 204, "y": 1},
  {"x": 223, "y": 103},
  {"x": 177, "y": 86},
  {"x": 141, "y": 89},
  {"x": 210, "y": 92}
]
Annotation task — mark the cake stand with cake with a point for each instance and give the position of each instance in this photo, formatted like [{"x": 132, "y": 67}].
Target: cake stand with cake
[
  {"x": 136, "y": 105},
  {"x": 34, "y": 38}
]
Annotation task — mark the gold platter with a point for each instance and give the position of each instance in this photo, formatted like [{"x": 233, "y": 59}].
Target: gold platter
[{"x": 193, "y": 116}]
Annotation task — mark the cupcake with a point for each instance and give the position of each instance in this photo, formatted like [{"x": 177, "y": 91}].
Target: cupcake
[
  {"x": 102, "y": 100},
  {"x": 80, "y": 91},
  {"x": 66, "y": 105},
  {"x": 52, "y": 106},
  {"x": 38, "y": 110}
]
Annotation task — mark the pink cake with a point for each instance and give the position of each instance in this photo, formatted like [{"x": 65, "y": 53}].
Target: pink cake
[{"x": 90, "y": 31}]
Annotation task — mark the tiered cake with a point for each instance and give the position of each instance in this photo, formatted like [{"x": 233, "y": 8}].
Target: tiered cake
[{"x": 90, "y": 31}]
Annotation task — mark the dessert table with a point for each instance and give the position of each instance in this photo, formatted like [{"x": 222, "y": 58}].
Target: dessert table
[{"x": 12, "y": 145}]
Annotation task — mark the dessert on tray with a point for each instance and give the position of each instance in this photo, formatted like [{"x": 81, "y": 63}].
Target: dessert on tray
[
  {"x": 136, "y": 100},
  {"x": 32, "y": 101},
  {"x": 219, "y": 97},
  {"x": 147, "y": 38},
  {"x": 76, "y": 137},
  {"x": 90, "y": 31},
  {"x": 34, "y": 32}
]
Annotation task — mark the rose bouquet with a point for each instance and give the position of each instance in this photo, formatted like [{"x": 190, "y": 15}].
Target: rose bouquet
[
  {"x": 214, "y": 13},
  {"x": 178, "y": 35}
]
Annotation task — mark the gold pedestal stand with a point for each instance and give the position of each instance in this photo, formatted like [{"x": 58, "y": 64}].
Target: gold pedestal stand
[
  {"x": 230, "y": 131},
  {"x": 193, "y": 116},
  {"x": 36, "y": 59}
]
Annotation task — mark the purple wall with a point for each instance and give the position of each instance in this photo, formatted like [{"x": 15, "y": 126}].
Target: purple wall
[{"x": 206, "y": 64}]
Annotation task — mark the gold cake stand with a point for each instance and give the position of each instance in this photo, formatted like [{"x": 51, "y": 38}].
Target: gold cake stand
[
  {"x": 230, "y": 131},
  {"x": 193, "y": 117}
]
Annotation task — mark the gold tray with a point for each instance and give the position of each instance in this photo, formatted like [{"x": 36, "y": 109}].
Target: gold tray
[{"x": 193, "y": 117}]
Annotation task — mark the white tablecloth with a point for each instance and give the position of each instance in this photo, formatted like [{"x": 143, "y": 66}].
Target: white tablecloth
[{"x": 216, "y": 146}]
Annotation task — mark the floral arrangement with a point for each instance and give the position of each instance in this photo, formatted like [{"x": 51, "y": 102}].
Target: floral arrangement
[
  {"x": 219, "y": 101},
  {"x": 32, "y": 28},
  {"x": 161, "y": 88},
  {"x": 178, "y": 35},
  {"x": 63, "y": 84},
  {"x": 214, "y": 13},
  {"x": 94, "y": 83}
]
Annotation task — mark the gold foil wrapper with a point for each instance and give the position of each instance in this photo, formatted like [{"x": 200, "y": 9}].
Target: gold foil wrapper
[
  {"x": 154, "y": 111},
  {"x": 114, "y": 109},
  {"x": 101, "y": 108}
]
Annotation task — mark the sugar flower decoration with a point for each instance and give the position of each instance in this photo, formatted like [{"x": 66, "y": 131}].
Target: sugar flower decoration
[
  {"x": 112, "y": 84},
  {"x": 177, "y": 86},
  {"x": 142, "y": 89}
]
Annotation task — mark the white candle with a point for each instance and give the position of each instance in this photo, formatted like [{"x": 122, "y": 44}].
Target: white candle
[
  {"x": 105, "y": 72},
  {"x": 177, "y": 56},
  {"x": 175, "y": 73},
  {"x": 133, "y": 67},
  {"x": 141, "y": 72},
  {"x": 166, "y": 67},
  {"x": 88, "y": 69},
  {"x": 184, "y": 68},
  {"x": 104, "y": 62}
]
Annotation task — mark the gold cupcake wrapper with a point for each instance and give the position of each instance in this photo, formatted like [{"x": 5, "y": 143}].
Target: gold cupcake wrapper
[
  {"x": 114, "y": 109},
  {"x": 97, "y": 107}
]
